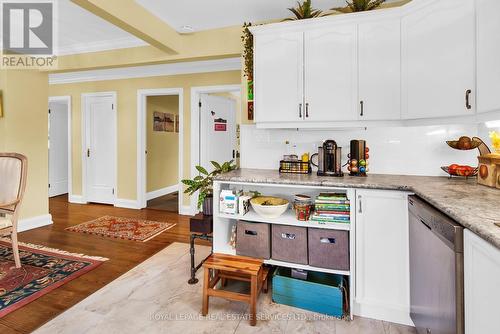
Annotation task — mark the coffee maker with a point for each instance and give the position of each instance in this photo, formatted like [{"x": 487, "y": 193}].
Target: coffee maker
[{"x": 329, "y": 159}]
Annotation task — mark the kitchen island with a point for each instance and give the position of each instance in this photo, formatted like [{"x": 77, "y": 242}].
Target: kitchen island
[
  {"x": 378, "y": 275},
  {"x": 475, "y": 207}
]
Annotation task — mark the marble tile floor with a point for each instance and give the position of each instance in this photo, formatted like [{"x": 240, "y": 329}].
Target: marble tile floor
[{"x": 154, "y": 297}]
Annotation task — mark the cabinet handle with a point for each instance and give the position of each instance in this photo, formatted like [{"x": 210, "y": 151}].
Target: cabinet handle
[
  {"x": 307, "y": 110},
  {"x": 360, "y": 205},
  {"x": 362, "y": 104},
  {"x": 467, "y": 99},
  {"x": 300, "y": 110}
]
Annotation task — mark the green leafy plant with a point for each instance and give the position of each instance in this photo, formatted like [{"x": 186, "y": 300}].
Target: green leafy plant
[
  {"x": 247, "y": 39},
  {"x": 204, "y": 182},
  {"x": 360, "y": 6},
  {"x": 304, "y": 11}
]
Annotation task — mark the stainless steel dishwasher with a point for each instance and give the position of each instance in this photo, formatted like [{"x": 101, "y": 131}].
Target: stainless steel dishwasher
[{"x": 436, "y": 270}]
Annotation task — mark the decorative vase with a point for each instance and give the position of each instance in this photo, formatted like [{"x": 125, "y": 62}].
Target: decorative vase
[{"x": 208, "y": 206}]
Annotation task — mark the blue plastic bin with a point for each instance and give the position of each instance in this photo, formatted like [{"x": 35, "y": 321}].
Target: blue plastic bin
[{"x": 321, "y": 293}]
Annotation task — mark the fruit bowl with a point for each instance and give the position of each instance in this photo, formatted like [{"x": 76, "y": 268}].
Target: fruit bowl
[
  {"x": 268, "y": 206},
  {"x": 465, "y": 143},
  {"x": 457, "y": 170}
]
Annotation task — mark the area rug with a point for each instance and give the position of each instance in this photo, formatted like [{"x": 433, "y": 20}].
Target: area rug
[
  {"x": 43, "y": 270},
  {"x": 124, "y": 228}
]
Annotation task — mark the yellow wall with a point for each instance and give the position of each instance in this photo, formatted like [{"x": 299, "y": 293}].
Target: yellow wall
[
  {"x": 162, "y": 147},
  {"x": 127, "y": 120},
  {"x": 24, "y": 129}
]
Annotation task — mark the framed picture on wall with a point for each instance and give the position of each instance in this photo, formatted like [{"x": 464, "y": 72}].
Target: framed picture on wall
[
  {"x": 177, "y": 123},
  {"x": 163, "y": 122}
]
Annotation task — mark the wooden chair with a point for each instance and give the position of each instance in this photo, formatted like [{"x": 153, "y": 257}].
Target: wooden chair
[
  {"x": 13, "y": 171},
  {"x": 221, "y": 267}
]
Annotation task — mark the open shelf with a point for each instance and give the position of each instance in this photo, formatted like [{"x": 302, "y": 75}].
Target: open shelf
[
  {"x": 305, "y": 267},
  {"x": 288, "y": 218}
]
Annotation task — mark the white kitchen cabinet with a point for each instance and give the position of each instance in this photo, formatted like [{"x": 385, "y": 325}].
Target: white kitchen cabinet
[
  {"x": 488, "y": 55},
  {"x": 330, "y": 71},
  {"x": 380, "y": 70},
  {"x": 279, "y": 78},
  {"x": 482, "y": 289},
  {"x": 382, "y": 289},
  {"x": 438, "y": 60}
]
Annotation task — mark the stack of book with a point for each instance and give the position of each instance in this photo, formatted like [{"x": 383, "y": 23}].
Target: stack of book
[{"x": 332, "y": 208}]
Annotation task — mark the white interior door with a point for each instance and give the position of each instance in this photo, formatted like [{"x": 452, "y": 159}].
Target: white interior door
[
  {"x": 100, "y": 153},
  {"x": 217, "y": 130},
  {"x": 58, "y": 149}
]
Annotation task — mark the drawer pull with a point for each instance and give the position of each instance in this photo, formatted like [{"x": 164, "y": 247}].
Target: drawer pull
[
  {"x": 327, "y": 240},
  {"x": 289, "y": 236},
  {"x": 248, "y": 232}
]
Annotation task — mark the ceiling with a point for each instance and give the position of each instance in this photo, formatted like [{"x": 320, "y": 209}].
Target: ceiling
[
  {"x": 81, "y": 31},
  {"x": 210, "y": 14}
]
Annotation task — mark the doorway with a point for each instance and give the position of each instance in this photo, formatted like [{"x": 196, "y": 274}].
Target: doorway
[
  {"x": 160, "y": 149},
  {"x": 100, "y": 146},
  {"x": 215, "y": 115},
  {"x": 59, "y": 145},
  {"x": 162, "y": 152}
]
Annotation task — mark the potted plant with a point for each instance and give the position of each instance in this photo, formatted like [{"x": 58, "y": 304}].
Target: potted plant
[
  {"x": 204, "y": 184},
  {"x": 304, "y": 11},
  {"x": 360, "y": 6}
]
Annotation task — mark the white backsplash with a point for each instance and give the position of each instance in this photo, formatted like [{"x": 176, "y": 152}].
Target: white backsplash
[{"x": 393, "y": 150}]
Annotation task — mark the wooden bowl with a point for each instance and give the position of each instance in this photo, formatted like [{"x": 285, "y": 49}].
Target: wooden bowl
[{"x": 474, "y": 143}]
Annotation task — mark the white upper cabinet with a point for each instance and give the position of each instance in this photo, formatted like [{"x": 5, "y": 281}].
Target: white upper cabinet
[
  {"x": 330, "y": 70},
  {"x": 488, "y": 55},
  {"x": 438, "y": 60},
  {"x": 278, "y": 76},
  {"x": 380, "y": 70}
]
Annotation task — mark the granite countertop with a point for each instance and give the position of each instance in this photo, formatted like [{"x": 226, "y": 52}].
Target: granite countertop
[{"x": 474, "y": 206}]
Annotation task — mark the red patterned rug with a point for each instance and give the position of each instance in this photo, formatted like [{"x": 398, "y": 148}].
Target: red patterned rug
[
  {"x": 43, "y": 270},
  {"x": 124, "y": 228}
]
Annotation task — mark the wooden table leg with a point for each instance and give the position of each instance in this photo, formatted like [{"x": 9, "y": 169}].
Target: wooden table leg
[
  {"x": 206, "y": 286},
  {"x": 253, "y": 300}
]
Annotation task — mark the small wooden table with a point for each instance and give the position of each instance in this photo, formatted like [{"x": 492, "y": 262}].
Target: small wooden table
[{"x": 222, "y": 267}]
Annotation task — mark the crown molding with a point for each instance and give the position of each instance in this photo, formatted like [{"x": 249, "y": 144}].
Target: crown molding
[
  {"x": 206, "y": 66},
  {"x": 120, "y": 43}
]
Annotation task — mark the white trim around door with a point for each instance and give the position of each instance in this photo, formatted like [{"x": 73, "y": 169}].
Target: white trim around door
[
  {"x": 195, "y": 126},
  {"x": 84, "y": 107},
  {"x": 67, "y": 100},
  {"x": 142, "y": 95}
]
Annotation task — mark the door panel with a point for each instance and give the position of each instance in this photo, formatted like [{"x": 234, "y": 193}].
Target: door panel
[
  {"x": 438, "y": 60},
  {"x": 58, "y": 149},
  {"x": 380, "y": 70},
  {"x": 101, "y": 153},
  {"x": 382, "y": 288},
  {"x": 218, "y": 139},
  {"x": 330, "y": 67},
  {"x": 279, "y": 78},
  {"x": 488, "y": 55}
]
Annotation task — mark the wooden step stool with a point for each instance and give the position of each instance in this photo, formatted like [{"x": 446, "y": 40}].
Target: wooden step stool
[{"x": 222, "y": 267}]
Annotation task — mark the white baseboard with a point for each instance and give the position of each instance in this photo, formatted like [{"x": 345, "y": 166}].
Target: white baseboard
[
  {"x": 76, "y": 199},
  {"x": 127, "y": 204},
  {"x": 34, "y": 222},
  {"x": 162, "y": 192},
  {"x": 186, "y": 211}
]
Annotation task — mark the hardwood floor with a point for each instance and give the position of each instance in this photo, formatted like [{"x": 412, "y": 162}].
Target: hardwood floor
[
  {"x": 168, "y": 203},
  {"x": 123, "y": 255}
]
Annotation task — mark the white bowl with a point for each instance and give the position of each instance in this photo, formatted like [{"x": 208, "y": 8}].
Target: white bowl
[{"x": 269, "y": 211}]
